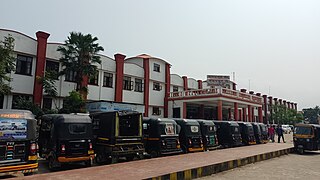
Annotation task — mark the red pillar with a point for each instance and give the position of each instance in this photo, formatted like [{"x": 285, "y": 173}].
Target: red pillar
[
  {"x": 167, "y": 90},
  {"x": 249, "y": 113},
  {"x": 185, "y": 83},
  {"x": 236, "y": 111},
  {"x": 184, "y": 111},
  {"x": 295, "y": 106},
  {"x": 200, "y": 84},
  {"x": 280, "y": 101},
  {"x": 244, "y": 113},
  {"x": 146, "y": 68},
  {"x": 219, "y": 110},
  {"x": 119, "y": 77},
  {"x": 260, "y": 114},
  {"x": 240, "y": 115},
  {"x": 40, "y": 65},
  {"x": 265, "y": 105}
]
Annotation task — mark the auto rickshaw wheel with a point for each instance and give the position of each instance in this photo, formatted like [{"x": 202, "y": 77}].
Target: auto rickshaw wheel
[
  {"x": 52, "y": 164},
  {"x": 130, "y": 158},
  {"x": 88, "y": 163},
  {"x": 300, "y": 150},
  {"x": 101, "y": 158},
  {"x": 154, "y": 154}
]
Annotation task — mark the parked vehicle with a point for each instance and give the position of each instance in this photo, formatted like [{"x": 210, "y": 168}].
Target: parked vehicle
[
  {"x": 66, "y": 138},
  {"x": 209, "y": 136},
  {"x": 264, "y": 133},
  {"x": 117, "y": 134},
  {"x": 247, "y": 133},
  {"x": 257, "y": 132},
  {"x": 306, "y": 137},
  {"x": 161, "y": 136},
  {"x": 228, "y": 133},
  {"x": 286, "y": 129},
  {"x": 18, "y": 145},
  {"x": 190, "y": 135}
]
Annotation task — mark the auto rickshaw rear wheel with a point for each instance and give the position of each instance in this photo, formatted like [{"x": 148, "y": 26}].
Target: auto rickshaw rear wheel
[
  {"x": 52, "y": 164},
  {"x": 300, "y": 150},
  {"x": 88, "y": 163},
  {"x": 154, "y": 154}
]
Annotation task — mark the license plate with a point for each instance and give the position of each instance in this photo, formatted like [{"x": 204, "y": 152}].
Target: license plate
[
  {"x": 1, "y": 133},
  {"x": 90, "y": 152}
]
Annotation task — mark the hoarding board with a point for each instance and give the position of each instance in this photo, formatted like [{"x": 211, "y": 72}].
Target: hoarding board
[
  {"x": 218, "y": 80},
  {"x": 113, "y": 106}
]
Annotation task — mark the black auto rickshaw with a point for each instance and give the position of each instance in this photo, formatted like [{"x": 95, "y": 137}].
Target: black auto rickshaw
[
  {"x": 257, "y": 132},
  {"x": 117, "y": 134},
  {"x": 161, "y": 136},
  {"x": 209, "y": 136},
  {"x": 66, "y": 138},
  {"x": 190, "y": 135},
  {"x": 18, "y": 145},
  {"x": 264, "y": 133},
  {"x": 247, "y": 133},
  {"x": 306, "y": 137},
  {"x": 228, "y": 133}
]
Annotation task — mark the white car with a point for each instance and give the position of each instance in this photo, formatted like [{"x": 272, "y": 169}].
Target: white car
[{"x": 286, "y": 129}]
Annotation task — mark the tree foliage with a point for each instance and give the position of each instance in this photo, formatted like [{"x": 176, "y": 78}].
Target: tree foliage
[
  {"x": 312, "y": 114},
  {"x": 73, "y": 103},
  {"x": 26, "y": 104},
  {"x": 283, "y": 115},
  {"x": 79, "y": 54},
  {"x": 48, "y": 83},
  {"x": 6, "y": 63}
]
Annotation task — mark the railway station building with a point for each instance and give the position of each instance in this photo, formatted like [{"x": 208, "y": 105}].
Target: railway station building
[{"x": 140, "y": 80}]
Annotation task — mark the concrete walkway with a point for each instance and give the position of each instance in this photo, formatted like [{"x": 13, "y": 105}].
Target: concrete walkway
[{"x": 186, "y": 166}]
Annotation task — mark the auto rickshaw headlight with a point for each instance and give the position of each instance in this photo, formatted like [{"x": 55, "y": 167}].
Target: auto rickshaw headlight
[{"x": 308, "y": 140}]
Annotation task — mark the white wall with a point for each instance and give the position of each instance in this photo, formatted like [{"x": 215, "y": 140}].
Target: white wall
[
  {"x": 156, "y": 98},
  {"x": 192, "y": 83},
  {"x": 133, "y": 97},
  {"x": 108, "y": 63},
  {"x": 23, "y": 43},
  {"x": 135, "y": 60},
  {"x": 134, "y": 70},
  {"x": 52, "y": 52},
  {"x": 157, "y": 76}
]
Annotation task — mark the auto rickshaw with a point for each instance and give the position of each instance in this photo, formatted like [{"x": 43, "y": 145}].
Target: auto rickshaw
[
  {"x": 306, "y": 137},
  {"x": 161, "y": 136},
  {"x": 18, "y": 142},
  {"x": 257, "y": 132},
  {"x": 190, "y": 135},
  {"x": 228, "y": 133},
  {"x": 247, "y": 133},
  {"x": 209, "y": 136},
  {"x": 66, "y": 138},
  {"x": 264, "y": 133},
  {"x": 117, "y": 134}
]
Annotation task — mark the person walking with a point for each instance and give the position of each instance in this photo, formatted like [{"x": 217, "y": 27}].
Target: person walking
[
  {"x": 271, "y": 132},
  {"x": 279, "y": 131}
]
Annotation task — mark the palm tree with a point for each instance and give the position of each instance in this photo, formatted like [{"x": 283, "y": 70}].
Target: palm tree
[
  {"x": 6, "y": 64},
  {"x": 79, "y": 54}
]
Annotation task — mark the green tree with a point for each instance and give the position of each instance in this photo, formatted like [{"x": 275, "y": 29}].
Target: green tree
[
  {"x": 26, "y": 104},
  {"x": 6, "y": 63},
  {"x": 311, "y": 114},
  {"x": 79, "y": 54},
  {"x": 73, "y": 103},
  {"x": 283, "y": 115}
]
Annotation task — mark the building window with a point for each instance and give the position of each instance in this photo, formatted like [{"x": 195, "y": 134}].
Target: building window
[
  {"x": 175, "y": 88},
  {"x": 24, "y": 65},
  {"x": 53, "y": 67},
  {"x": 156, "y": 67},
  {"x": 93, "y": 80},
  {"x": 107, "y": 79},
  {"x": 1, "y": 101},
  {"x": 18, "y": 100},
  {"x": 157, "y": 86},
  {"x": 138, "y": 85},
  {"x": 127, "y": 83},
  {"x": 156, "y": 111},
  {"x": 71, "y": 76},
  {"x": 47, "y": 103}
]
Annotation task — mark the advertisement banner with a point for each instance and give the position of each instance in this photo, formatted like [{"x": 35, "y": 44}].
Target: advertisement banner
[{"x": 13, "y": 128}]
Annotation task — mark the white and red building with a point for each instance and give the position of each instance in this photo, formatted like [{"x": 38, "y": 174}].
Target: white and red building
[{"x": 143, "y": 79}]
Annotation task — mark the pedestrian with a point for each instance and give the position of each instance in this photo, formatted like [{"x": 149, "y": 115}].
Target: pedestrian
[
  {"x": 271, "y": 132},
  {"x": 279, "y": 131}
]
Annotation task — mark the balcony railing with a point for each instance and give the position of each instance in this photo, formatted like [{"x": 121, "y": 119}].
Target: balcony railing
[{"x": 216, "y": 91}]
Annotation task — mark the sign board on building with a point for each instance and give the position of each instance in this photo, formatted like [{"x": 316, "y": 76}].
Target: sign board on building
[
  {"x": 113, "y": 106},
  {"x": 218, "y": 80}
]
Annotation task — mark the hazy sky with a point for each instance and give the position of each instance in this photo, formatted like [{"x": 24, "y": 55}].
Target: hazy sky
[{"x": 274, "y": 44}]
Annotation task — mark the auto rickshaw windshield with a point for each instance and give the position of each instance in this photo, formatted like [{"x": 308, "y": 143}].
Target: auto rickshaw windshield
[
  {"x": 75, "y": 130},
  {"x": 303, "y": 130}
]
